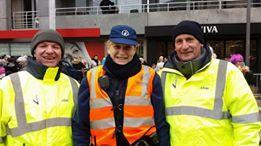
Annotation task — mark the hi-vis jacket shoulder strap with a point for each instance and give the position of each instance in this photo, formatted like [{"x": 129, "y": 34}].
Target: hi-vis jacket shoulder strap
[
  {"x": 98, "y": 102},
  {"x": 22, "y": 126},
  {"x": 217, "y": 112}
]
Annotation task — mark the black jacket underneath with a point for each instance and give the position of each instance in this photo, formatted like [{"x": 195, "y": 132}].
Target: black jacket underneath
[{"x": 116, "y": 91}]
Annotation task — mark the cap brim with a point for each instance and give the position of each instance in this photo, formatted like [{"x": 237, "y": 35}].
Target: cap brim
[{"x": 124, "y": 41}]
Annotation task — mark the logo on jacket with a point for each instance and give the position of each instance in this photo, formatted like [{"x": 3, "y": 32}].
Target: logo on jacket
[
  {"x": 65, "y": 100},
  {"x": 36, "y": 99},
  {"x": 174, "y": 84},
  {"x": 204, "y": 88}
]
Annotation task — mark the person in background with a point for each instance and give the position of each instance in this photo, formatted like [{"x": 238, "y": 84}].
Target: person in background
[
  {"x": 10, "y": 65},
  {"x": 208, "y": 101},
  {"x": 120, "y": 103},
  {"x": 238, "y": 61},
  {"x": 105, "y": 6},
  {"x": 96, "y": 60},
  {"x": 78, "y": 68},
  {"x": 214, "y": 55},
  {"x": 2, "y": 71},
  {"x": 36, "y": 104},
  {"x": 22, "y": 62},
  {"x": 143, "y": 62},
  {"x": 153, "y": 65},
  {"x": 2, "y": 68},
  {"x": 160, "y": 63},
  {"x": 227, "y": 57}
]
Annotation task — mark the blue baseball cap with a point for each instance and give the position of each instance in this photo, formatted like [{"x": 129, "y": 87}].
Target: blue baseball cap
[{"x": 123, "y": 34}]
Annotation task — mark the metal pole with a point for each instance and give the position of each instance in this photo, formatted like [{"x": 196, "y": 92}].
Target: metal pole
[
  {"x": 248, "y": 22},
  {"x": 52, "y": 17},
  {"x": 148, "y": 6}
]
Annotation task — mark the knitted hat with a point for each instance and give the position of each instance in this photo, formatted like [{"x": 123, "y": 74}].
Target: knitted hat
[
  {"x": 47, "y": 35},
  {"x": 189, "y": 27}
]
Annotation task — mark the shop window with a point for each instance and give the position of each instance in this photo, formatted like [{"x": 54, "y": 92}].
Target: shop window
[
  {"x": 235, "y": 46},
  {"x": 218, "y": 48},
  {"x": 140, "y": 50},
  {"x": 19, "y": 49},
  {"x": 4, "y": 49}
]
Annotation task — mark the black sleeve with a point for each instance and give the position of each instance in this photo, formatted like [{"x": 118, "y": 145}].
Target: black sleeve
[
  {"x": 81, "y": 121},
  {"x": 159, "y": 112}
]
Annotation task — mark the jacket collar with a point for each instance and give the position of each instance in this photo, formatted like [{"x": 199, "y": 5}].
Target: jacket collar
[
  {"x": 190, "y": 67},
  {"x": 42, "y": 72}
]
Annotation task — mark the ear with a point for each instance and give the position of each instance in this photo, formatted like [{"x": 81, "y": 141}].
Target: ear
[
  {"x": 173, "y": 45},
  {"x": 108, "y": 50},
  {"x": 34, "y": 52},
  {"x": 136, "y": 48}
]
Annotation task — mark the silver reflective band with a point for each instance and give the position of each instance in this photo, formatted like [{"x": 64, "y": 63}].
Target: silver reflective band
[
  {"x": 1, "y": 140},
  {"x": 136, "y": 100},
  {"x": 248, "y": 118},
  {"x": 129, "y": 100},
  {"x": 36, "y": 126},
  {"x": 128, "y": 122},
  {"x": 22, "y": 125},
  {"x": 137, "y": 122},
  {"x": 92, "y": 82},
  {"x": 196, "y": 111},
  {"x": 102, "y": 124},
  {"x": 74, "y": 89},
  {"x": 217, "y": 112},
  {"x": 145, "y": 81},
  {"x": 99, "y": 102}
]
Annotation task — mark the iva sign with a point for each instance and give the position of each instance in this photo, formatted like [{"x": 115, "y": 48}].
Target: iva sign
[{"x": 209, "y": 29}]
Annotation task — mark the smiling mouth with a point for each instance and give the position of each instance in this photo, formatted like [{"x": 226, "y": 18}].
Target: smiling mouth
[
  {"x": 121, "y": 58},
  {"x": 187, "y": 53},
  {"x": 49, "y": 58}
]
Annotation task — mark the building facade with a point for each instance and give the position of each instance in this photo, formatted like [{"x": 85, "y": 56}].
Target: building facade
[{"x": 223, "y": 22}]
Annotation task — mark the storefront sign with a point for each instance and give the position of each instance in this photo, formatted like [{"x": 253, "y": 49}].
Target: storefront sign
[{"x": 209, "y": 29}]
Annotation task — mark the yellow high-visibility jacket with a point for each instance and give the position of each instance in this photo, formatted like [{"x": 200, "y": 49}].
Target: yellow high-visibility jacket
[
  {"x": 37, "y": 112},
  {"x": 215, "y": 107}
]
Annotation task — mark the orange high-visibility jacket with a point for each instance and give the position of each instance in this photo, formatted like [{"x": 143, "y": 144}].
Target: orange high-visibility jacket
[{"x": 138, "y": 111}]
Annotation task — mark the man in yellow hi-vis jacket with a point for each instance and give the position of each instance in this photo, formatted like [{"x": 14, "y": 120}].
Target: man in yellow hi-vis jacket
[
  {"x": 207, "y": 100},
  {"x": 36, "y": 105}
]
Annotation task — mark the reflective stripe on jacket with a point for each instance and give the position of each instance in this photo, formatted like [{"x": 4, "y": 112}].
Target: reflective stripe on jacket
[
  {"x": 214, "y": 107},
  {"x": 138, "y": 111},
  {"x": 37, "y": 112}
]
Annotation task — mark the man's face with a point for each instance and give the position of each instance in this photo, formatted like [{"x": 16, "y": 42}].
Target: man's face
[
  {"x": 48, "y": 53},
  {"x": 121, "y": 53},
  {"x": 187, "y": 47}
]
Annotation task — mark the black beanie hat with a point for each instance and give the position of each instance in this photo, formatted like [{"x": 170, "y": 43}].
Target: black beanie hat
[
  {"x": 189, "y": 27},
  {"x": 47, "y": 35}
]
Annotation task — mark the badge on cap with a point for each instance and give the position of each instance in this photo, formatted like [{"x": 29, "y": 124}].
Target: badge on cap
[{"x": 125, "y": 33}]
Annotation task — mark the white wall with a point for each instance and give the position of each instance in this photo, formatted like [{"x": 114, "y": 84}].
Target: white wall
[{"x": 130, "y": 5}]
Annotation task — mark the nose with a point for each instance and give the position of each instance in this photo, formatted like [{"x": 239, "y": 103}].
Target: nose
[
  {"x": 121, "y": 50},
  {"x": 49, "y": 49},
  {"x": 185, "y": 45}
]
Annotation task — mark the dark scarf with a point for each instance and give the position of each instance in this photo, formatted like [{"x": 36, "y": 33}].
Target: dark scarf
[
  {"x": 38, "y": 70},
  {"x": 190, "y": 67},
  {"x": 115, "y": 70}
]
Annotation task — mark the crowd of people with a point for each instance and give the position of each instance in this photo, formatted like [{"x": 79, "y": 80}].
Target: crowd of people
[
  {"x": 11, "y": 64},
  {"x": 192, "y": 98},
  {"x": 76, "y": 67}
]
